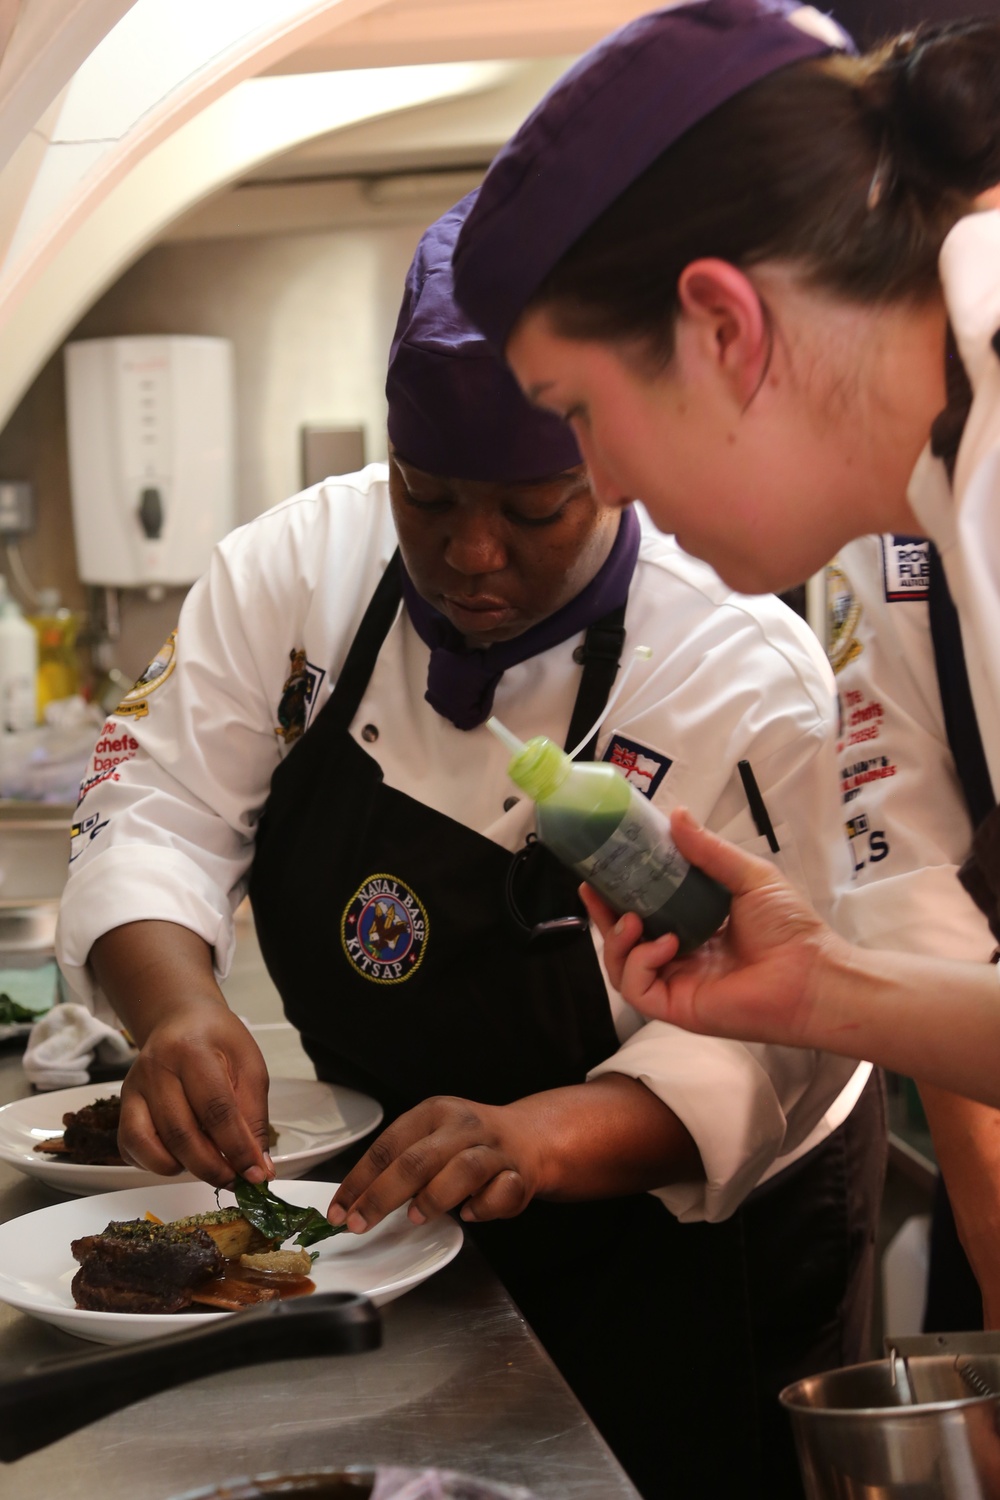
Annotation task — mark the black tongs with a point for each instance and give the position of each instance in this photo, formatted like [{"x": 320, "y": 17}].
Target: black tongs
[{"x": 50, "y": 1399}]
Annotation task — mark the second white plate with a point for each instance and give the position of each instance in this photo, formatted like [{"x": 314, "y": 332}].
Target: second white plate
[{"x": 313, "y": 1121}]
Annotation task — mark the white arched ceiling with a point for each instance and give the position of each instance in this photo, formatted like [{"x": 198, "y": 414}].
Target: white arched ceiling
[
  {"x": 413, "y": 31},
  {"x": 167, "y": 108},
  {"x": 42, "y": 43}
]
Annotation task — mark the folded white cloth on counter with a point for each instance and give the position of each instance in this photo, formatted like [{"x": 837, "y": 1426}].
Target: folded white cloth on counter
[{"x": 63, "y": 1044}]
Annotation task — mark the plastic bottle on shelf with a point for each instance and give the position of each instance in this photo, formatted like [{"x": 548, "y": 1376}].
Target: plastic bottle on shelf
[
  {"x": 18, "y": 666},
  {"x": 58, "y": 667},
  {"x": 615, "y": 839}
]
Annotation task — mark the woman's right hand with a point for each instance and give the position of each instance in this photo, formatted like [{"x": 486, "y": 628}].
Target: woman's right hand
[
  {"x": 756, "y": 980},
  {"x": 195, "y": 1099}
]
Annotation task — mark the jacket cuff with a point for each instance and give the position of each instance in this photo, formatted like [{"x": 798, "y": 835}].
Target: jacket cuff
[{"x": 722, "y": 1095}]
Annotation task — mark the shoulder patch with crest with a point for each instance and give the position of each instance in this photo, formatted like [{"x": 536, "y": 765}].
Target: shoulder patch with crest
[
  {"x": 643, "y": 768},
  {"x": 135, "y": 701},
  {"x": 905, "y": 569},
  {"x": 843, "y": 615},
  {"x": 298, "y": 696}
]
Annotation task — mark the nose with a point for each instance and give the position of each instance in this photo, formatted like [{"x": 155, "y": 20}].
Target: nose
[{"x": 473, "y": 547}]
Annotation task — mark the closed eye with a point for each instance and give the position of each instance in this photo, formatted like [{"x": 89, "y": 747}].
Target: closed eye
[{"x": 533, "y": 521}]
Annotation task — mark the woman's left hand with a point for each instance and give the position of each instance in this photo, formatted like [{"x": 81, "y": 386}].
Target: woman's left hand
[{"x": 444, "y": 1153}]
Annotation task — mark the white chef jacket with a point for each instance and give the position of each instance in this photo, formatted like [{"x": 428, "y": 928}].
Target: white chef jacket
[
  {"x": 165, "y": 827},
  {"x": 964, "y": 519},
  {"x": 904, "y": 810}
]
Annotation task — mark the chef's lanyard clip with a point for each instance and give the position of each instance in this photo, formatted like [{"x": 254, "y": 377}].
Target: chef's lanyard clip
[{"x": 530, "y": 868}]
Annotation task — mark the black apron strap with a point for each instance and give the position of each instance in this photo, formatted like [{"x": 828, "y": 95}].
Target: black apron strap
[
  {"x": 599, "y": 656},
  {"x": 980, "y": 872},
  {"x": 355, "y": 674},
  {"x": 961, "y": 725}
]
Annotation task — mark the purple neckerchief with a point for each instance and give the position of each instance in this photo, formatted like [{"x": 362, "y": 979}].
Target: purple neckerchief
[{"x": 461, "y": 681}]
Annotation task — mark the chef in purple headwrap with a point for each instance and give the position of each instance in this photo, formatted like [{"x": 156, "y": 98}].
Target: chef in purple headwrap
[{"x": 318, "y": 735}]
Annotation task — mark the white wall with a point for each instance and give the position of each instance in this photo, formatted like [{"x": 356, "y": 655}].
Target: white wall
[{"x": 311, "y": 318}]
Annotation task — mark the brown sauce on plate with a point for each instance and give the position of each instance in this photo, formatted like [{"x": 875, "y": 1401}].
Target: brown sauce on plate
[{"x": 240, "y": 1286}]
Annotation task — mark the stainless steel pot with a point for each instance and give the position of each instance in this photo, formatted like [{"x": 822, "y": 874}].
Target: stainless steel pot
[{"x": 925, "y": 1428}]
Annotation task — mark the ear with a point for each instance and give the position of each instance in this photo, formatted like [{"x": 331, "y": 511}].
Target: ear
[{"x": 725, "y": 324}]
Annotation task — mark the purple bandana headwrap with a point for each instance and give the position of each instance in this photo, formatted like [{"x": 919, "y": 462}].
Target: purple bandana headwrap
[
  {"x": 603, "y": 124},
  {"x": 461, "y": 682},
  {"x": 455, "y": 410}
]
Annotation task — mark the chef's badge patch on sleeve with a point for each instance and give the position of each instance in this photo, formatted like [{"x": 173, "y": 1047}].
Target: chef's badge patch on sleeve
[
  {"x": 643, "y": 768},
  {"x": 384, "y": 930},
  {"x": 843, "y": 615},
  {"x": 135, "y": 701},
  {"x": 298, "y": 696}
]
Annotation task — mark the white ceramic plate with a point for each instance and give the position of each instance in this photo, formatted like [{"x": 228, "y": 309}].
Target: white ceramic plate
[
  {"x": 37, "y": 1265},
  {"x": 313, "y": 1121}
]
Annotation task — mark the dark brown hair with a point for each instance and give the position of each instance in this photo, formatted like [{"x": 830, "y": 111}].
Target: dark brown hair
[{"x": 851, "y": 169}]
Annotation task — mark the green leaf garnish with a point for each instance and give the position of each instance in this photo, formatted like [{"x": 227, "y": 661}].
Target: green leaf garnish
[{"x": 279, "y": 1220}]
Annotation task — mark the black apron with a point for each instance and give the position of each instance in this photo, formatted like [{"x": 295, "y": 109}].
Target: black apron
[{"x": 386, "y": 927}]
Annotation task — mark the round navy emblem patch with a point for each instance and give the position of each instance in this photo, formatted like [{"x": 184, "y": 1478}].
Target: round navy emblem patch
[{"x": 384, "y": 930}]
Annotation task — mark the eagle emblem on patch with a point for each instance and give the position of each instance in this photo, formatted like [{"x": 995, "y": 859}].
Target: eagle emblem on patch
[
  {"x": 298, "y": 696},
  {"x": 642, "y": 767},
  {"x": 384, "y": 929},
  {"x": 136, "y": 700}
]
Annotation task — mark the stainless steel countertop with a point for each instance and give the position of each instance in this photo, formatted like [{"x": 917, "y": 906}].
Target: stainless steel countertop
[{"x": 460, "y": 1383}]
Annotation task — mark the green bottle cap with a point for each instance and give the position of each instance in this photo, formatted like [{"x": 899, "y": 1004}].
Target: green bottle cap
[{"x": 539, "y": 768}]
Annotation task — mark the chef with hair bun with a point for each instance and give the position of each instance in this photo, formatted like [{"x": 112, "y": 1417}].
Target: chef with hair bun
[{"x": 758, "y": 275}]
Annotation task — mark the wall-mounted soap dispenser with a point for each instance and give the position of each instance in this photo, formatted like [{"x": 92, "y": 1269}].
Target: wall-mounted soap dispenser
[{"x": 152, "y": 456}]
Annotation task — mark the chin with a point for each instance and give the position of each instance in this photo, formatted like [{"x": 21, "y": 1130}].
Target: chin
[{"x": 755, "y": 574}]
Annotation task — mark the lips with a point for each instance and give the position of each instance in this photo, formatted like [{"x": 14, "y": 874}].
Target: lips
[{"x": 477, "y": 614}]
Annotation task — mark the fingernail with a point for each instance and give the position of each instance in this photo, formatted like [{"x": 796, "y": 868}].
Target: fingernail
[
  {"x": 256, "y": 1175},
  {"x": 269, "y": 1164},
  {"x": 337, "y": 1214},
  {"x": 356, "y": 1222},
  {"x": 415, "y": 1216},
  {"x": 619, "y": 926},
  {"x": 468, "y": 1213}
]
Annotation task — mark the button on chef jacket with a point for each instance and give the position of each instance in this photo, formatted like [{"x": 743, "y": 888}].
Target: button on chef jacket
[{"x": 165, "y": 829}]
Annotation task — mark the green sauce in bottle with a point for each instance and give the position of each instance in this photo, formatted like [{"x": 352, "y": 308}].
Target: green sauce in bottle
[{"x": 616, "y": 840}]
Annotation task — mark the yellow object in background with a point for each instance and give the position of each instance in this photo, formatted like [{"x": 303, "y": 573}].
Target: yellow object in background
[{"x": 58, "y": 665}]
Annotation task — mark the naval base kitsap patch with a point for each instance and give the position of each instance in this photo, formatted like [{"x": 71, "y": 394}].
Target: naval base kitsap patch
[{"x": 384, "y": 930}]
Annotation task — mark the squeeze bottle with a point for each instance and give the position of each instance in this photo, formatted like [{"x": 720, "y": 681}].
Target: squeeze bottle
[
  {"x": 615, "y": 839},
  {"x": 18, "y": 666},
  {"x": 58, "y": 669}
]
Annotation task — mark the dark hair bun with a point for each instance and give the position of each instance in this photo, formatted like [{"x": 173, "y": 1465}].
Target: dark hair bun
[{"x": 940, "y": 104}]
